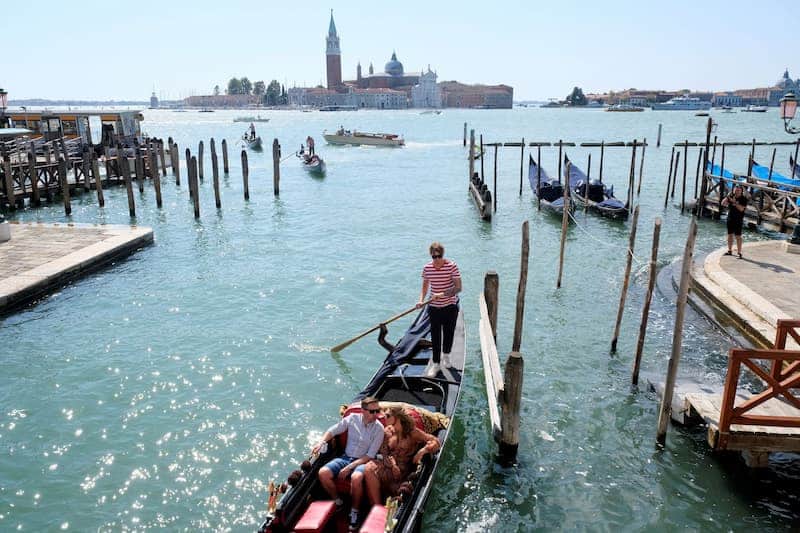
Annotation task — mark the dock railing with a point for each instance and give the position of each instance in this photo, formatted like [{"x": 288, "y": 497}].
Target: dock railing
[{"x": 782, "y": 383}]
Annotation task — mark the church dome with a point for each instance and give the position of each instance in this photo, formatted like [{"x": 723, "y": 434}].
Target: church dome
[
  {"x": 394, "y": 67},
  {"x": 785, "y": 82}
]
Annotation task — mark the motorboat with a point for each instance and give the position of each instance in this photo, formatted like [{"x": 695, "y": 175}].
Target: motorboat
[{"x": 358, "y": 138}]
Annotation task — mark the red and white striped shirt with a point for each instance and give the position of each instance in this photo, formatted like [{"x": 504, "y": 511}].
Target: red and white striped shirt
[{"x": 440, "y": 280}]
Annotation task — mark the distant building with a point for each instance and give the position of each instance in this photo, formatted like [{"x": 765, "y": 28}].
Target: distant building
[
  {"x": 333, "y": 57},
  {"x": 427, "y": 92},
  {"x": 726, "y": 99},
  {"x": 153, "y": 101},
  {"x": 223, "y": 100},
  {"x": 455, "y": 94}
]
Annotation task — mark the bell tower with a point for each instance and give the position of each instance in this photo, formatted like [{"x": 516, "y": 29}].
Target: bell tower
[{"x": 333, "y": 57}]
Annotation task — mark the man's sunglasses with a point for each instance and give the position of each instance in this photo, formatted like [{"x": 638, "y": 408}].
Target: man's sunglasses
[{"x": 373, "y": 411}]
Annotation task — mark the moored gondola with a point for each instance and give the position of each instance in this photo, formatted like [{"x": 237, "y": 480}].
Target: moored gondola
[
  {"x": 432, "y": 402},
  {"x": 599, "y": 198},
  {"x": 549, "y": 191}
]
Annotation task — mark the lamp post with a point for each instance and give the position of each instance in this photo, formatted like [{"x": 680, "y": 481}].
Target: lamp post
[
  {"x": 3, "y": 103},
  {"x": 788, "y": 105}
]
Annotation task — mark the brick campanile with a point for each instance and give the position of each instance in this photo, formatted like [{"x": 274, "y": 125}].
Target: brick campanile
[{"x": 333, "y": 57}]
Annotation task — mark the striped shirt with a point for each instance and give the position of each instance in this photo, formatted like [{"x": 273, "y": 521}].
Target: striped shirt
[{"x": 441, "y": 280}]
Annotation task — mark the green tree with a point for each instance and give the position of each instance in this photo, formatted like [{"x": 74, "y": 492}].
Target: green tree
[
  {"x": 235, "y": 86},
  {"x": 576, "y": 97},
  {"x": 247, "y": 85},
  {"x": 273, "y": 94},
  {"x": 216, "y": 90},
  {"x": 259, "y": 88}
]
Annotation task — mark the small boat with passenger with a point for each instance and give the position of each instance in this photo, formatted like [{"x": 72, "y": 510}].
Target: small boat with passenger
[
  {"x": 252, "y": 142},
  {"x": 313, "y": 164},
  {"x": 358, "y": 138},
  {"x": 301, "y": 504}
]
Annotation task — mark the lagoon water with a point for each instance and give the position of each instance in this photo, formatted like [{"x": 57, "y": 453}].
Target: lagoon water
[{"x": 167, "y": 390}]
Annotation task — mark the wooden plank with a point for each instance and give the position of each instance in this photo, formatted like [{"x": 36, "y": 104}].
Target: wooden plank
[{"x": 491, "y": 368}]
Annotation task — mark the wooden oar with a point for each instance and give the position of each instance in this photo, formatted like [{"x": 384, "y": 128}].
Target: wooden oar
[{"x": 345, "y": 344}]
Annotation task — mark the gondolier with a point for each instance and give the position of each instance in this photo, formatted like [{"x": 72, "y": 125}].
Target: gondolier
[
  {"x": 252, "y": 131},
  {"x": 442, "y": 277},
  {"x": 310, "y": 144}
]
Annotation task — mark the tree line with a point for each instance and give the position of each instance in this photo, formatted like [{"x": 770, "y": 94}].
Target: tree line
[{"x": 272, "y": 94}]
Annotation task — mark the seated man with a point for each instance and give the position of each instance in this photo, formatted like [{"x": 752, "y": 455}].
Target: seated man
[{"x": 364, "y": 439}]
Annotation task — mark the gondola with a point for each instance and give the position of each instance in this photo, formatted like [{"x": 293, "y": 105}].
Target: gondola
[
  {"x": 549, "y": 191},
  {"x": 431, "y": 401},
  {"x": 600, "y": 198},
  {"x": 313, "y": 165},
  {"x": 252, "y": 143}
]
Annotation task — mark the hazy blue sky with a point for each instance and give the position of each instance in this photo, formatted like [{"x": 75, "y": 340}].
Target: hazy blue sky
[{"x": 103, "y": 50}]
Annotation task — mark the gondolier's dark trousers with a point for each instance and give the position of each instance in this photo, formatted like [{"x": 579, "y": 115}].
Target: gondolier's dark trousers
[{"x": 443, "y": 327}]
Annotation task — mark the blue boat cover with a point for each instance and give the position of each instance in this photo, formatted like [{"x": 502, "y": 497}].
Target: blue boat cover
[
  {"x": 762, "y": 172},
  {"x": 715, "y": 170},
  {"x": 551, "y": 190},
  {"x": 577, "y": 177},
  {"x": 402, "y": 353}
]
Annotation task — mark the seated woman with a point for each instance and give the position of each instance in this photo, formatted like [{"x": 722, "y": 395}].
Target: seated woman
[{"x": 399, "y": 453}]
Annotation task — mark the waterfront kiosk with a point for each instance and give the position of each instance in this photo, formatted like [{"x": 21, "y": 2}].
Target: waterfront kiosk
[{"x": 95, "y": 126}]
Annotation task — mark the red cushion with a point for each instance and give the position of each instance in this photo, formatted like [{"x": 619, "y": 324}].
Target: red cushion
[
  {"x": 316, "y": 516},
  {"x": 376, "y": 520}
]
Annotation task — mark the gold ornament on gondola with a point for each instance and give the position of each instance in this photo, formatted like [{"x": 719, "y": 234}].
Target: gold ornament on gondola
[{"x": 391, "y": 511}]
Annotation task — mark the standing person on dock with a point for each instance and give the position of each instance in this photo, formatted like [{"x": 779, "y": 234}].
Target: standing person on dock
[
  {"x": 442, "y": 277},
  {"x": 310, "y": 144},
  {"x": 737, "y": 203}
]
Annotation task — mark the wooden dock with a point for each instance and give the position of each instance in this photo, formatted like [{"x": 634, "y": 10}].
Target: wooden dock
[{"x": 41, "y": 257}]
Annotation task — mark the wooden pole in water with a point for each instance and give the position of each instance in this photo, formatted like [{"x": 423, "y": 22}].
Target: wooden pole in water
[
  {"x": 35, "y": 200},
  {"x": 465, "y": 139},
  {"x": 155, "y": 175},
  {"x": 224, "y": 156},
  {"x": 647, "y": 299},
  {"x": 588, "y": 181},
  {"x": 276, "y": 167},
  {"x": 139, "y": 167},
  {"x": 675, "y": 174},
  {"x": 697, "y": 171},
  {"x": 796, "y": 163},
  {"x": 471, "y": 155},
  {"x": 641, "y": 168},
  {"x": 631, "y": 176},
  {"x": 521, "y": 288},
  {"x": 771, "y": 164},
  {"x": 677, "y": 336},
  {"x": 669, "y": 176},
  {"x": 200, "y": 160},
  {"x": 189, "y": 171},
  {"x": 245, "y": 174},
  {"x": 685, "y": 162},
  {"x": 752, "y": 154},
  {"x": 125, "y": 169},
  {"x": 658, "y": 141},
  {"x": 98, "y": 185},
  {"x": 483, "y": 176},
  {"x": 602, "y": 154},
  {"x": 564, "y": 222},
  {"x": 560, "y": 146},
  {"x": 538, "y": 177},
  {"x": 511, "y": 402},
  {"x": 62, "y": 176},
  {"x": 714, "y": 152},
  {"x": 215, "y": 172},
  {"x": 196, "y": 188},
  {"x": 9, "y": 181},
  {"x": 86, "y": 167},
  {"x": 491, "y": 288},
  {"x": 626, "y": 280},
  {"x": 176, "y": 163},
  {"x": 701, "y": 204},
  {"x": 521, "y": 163},
  {"x": 494, "y": 199},
  {"x": 160, "y": 148},
  {"x": 722, "y": 173}
]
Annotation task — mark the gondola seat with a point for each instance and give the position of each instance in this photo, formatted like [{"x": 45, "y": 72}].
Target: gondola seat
[
  {"x": 375, "y": 521},
  {"x": 316, "y": 516}
]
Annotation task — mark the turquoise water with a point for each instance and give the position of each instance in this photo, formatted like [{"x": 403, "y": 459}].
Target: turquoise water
[{"x": 167, "y": 390}]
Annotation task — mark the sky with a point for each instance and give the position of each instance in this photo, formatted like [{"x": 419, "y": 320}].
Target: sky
[{"x": 101, "y": 51}]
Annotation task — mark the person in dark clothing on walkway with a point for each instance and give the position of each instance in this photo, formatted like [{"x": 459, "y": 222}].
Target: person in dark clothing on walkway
[{"x": 736, "y": 202}]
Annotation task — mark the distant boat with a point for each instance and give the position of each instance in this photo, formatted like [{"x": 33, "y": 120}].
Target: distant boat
[
  {"x": 431, "y": 112},
  {"x": 683, "y": 103},
  {"x": 594, "y": 193},
  {"x": 206, "y": 110},
  {"x": 252, "y": 143},
  {"x": 755, "y": 109},
  {"x": 549, "y": 191},
  {"x": 358, "y": 138},
  {"x": 701, "y": 114},
  {"x": 624, "y": 108},
  {"x": 251, "y": 119},
  {"x": 313, "y": 164},
  {"x": 552, "y": 103},
  {"x": 338, "y": 108}
]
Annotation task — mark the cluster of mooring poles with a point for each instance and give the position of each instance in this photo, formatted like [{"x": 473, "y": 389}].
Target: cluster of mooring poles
[{"x": 62, "y": 167}]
